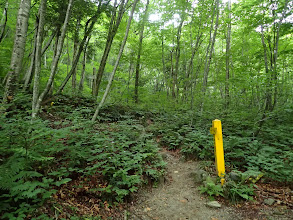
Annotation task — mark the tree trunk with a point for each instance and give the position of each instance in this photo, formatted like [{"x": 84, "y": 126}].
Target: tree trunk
[
  {"x": 116, "y": 63},
  {"x": 49, "y": 42},
  {"x": 210, "y": 53},
  {"x": 18, "y": 50},
  {"x": 114, "y": 25},
  {"x": 55, "y": 59},
  {"x": 268, "y": 98},
  {"x": 272, "y": 73},
  {"x": 228, "y": 47},
  {"x": 190, "y": 65},
  {"x": 76, "y": 41},
  {"x": 38, "y": 56},
  {"x": 177, "y": 55},
  {"x": 3, "y": 23},
  {"x": 88, "y": 31},
  {"x": 129, "y": 74},
  {"x": 144, "y": 19},
  {"x": 93, "y": 78},
  {"x": 275, "y": 56},
  {"x": 211, "y": 45},
  {"x": 173, "y": 75},
  {"x": 164, "y": 66},
  {"x": 81, "y": 82},
  {"x": 29, "y": 73}
]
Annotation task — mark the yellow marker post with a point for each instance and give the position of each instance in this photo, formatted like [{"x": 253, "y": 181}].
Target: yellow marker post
[{"x": 216, "y": 130}]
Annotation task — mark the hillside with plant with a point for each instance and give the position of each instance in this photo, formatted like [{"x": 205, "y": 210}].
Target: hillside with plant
[{"x": 96, "y": 95}]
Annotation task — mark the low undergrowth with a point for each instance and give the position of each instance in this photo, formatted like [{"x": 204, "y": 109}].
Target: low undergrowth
[
  {"x": 48, "y": 161},
  {"x": 94, "y": 166},
  {"x": 269, "y": 155}
]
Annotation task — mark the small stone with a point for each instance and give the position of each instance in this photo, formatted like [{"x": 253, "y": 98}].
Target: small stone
[
  {"x": 183, "y": 201},
  {"x": 176, "y": 172},
  {"x": 280, "y": 210},
  {"x": 235, "y": 177},
  {"x": 214, "y": 204},
  {"x": 200, "y": 176},
  {"x": 269, "y": 201},
  {"x": 165, "y": 155},
  {"x": 147, "y": 209}
]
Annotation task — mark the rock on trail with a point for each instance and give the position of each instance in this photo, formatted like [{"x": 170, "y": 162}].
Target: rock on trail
[{"x": 177, "y": 198}]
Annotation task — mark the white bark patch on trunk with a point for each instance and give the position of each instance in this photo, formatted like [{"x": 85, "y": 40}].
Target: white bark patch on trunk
[{"x": 18, "y": 49}]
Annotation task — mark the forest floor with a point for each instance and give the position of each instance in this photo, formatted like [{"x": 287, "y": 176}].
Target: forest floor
[{"x": 177, "y": 198}]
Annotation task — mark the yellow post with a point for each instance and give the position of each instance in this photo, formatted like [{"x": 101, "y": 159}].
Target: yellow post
[{"x": 216, "y": 130}]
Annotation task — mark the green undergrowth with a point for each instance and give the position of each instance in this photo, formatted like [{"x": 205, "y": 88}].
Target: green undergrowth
[
  {"x": 119, "y": 153},
  {"x": 270, "y": 153},
  {"x": 40, "y": 156},
  {"x": 238, "y": 186}
]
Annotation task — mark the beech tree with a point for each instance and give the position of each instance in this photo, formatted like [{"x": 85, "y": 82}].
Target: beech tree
[
  {"x": 18, "y": 50},
  {"x": 116, "y": 63},
  {"x": 143, "y": 21},
  {"x": 37, "y": 101}
]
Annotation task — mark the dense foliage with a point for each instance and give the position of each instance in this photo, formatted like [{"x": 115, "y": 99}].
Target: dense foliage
[{"x": 92, "y": 90}]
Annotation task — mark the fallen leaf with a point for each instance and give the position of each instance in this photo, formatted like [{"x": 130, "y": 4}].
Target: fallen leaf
[{"x": 96, "y": 207}]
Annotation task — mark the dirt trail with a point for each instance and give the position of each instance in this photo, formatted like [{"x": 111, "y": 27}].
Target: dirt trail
[{"x": 177, "y": 198}]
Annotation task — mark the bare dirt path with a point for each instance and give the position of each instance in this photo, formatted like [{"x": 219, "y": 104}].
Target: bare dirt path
[{"x": 177, "y": 198}]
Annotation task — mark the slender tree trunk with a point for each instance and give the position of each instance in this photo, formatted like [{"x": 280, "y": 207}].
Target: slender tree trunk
[
  {"x": 116, "y": 63},
  {"x": 190, "y": 65},
  {"x": 129, "y": 75},
  {"x": 228, "y": 47},
  {"x": 209, "y": 56},
  {"x": 68, "y": 62},
  {"x": 18, "y": 50},
  {"x": 114, "y": 25},
  {"x": 210, "y": 52},
  {"x": 144, "y": 19},
  {"x": 173, "y": 76},
  {"x": 268, "y": 99},
  {"x": 76, "y": 58},
  {"x": 76, "y": 42},
  {"x": 49, "y": 42},
  {"x": 164, "y": 67},
  {"x": 55, "y": 59},
  {"x": 94, "y": 78},
  {"x": 29, "y": 73},
  {"x": 81, "y": 82},
  {"x": 177, "y": 55},
  {"x": 38, "y": 56},
  {"x": 272, "y": 79},
  {"x": 3, "y": 22},
  {"x": 275, "y": 54},
  {"x": 88, "y": 30}
]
